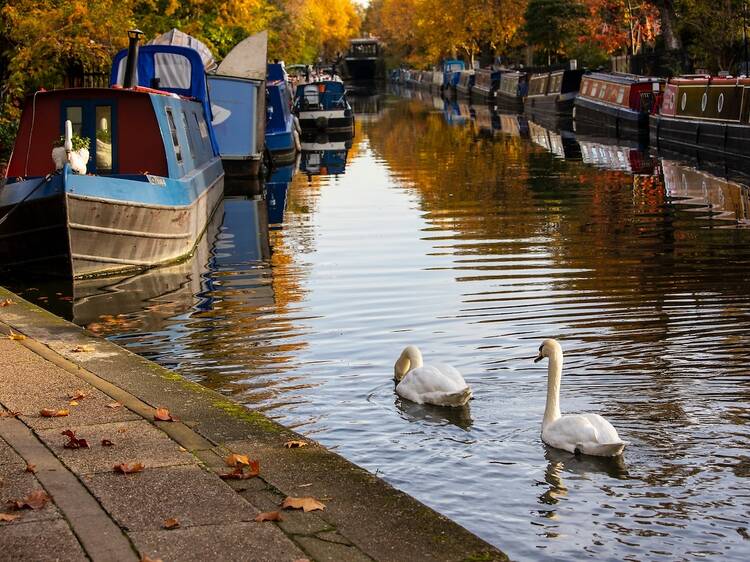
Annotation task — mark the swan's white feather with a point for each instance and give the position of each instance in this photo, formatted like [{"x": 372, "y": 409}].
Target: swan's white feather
[
  {"x": 587, "y": 433},
  {"x": 438, "y": 384}
]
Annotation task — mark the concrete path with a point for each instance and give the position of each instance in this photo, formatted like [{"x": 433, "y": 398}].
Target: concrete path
[{"x": 177, "y": 507}]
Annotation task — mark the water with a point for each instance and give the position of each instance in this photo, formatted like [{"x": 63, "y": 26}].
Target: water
[{"x": 476, "y": 235}]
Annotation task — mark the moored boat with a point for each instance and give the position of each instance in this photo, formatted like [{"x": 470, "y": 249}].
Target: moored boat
[
  {"x": 616, "y": 103},
  {"x": 551, "y": 94},
  {"x": 465, "y": 82},
  {"x": 144, "y": 192},
  {"x": 512, "y": 90},
  {"x": 486, "y": 84},
  {"x": 363, "y": 61},
  {"x": 282, "y": 135},
  {"x": 705, "y": 116},
  {"x": 322, "y": 105}
]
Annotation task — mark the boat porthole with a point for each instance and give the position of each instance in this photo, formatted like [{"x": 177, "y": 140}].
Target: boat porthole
[
  {"x": 683, "y": 101},
  {"x": 704, "y": 101},
  {"x": 720, "y": 104}
]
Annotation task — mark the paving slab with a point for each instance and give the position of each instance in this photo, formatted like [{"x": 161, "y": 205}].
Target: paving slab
[
  {"x": 133, "y": 441},
  {"x": 143, "y": 501},
  {"x": 16, "y": 484},
  {"x": 259, "y": 542},
  {"x": 43, "y": 541}
]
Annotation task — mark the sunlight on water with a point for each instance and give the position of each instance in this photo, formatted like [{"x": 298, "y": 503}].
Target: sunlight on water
[{"x": 475, "y": 235}]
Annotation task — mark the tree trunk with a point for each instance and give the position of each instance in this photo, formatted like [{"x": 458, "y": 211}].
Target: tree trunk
[{"x": 669, "y": 25}]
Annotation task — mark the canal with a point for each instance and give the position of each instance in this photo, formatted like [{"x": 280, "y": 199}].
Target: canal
[{"x": 475, "y": 235}]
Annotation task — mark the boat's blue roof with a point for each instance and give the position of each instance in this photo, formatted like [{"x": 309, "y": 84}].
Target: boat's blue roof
[{"x": 275, "y": 71}]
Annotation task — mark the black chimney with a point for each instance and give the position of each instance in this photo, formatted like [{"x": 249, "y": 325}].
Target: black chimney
[{"x": 130, "y": 79}]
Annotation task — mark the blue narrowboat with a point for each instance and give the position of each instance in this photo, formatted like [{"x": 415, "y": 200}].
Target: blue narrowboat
[
  {"x": 143, "y": 192},
  {"x": 276, "y": 188},
  {"x": 322, "y": 105},
  {"x": 451, "y": 72},
  {"x": 238, "y": 103},
  {"x": 282, "y": 133}
]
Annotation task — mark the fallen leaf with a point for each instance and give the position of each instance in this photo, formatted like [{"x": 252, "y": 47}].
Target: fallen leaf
[
  {"x": 51, "y": 413},
  {"x": 305, "y": 504},
  {"x": 74, "y": 442},
  {"x": 6, "y": 302},
  {"x": 147, "y": 559},
  {"x": 30, "y": 468},
  {"x": 8, "y": 517},
  {"x": 35, "y": 500},
  {"x": 107, "y": 443},
  {"x": 9, "y": 414},
  {"x": 114, "y": 405},
  {"x": 82, "y": 349},
  {"x": 72, "y": 403},
  {"x": 235, "y": 460},
  {"x": 163, "y": 414},
  {"x": 301, "y": 560},
  {"x": 183, "y": 449},
  {"x": 269, "y": 516},
  {"x": 128, "y": 468},
  {"x": 171, "y": 523},
  {"x": 78, "y": 395},
  {"x": 95, "y": 327},
  {"x": 14, "y": 336},
  {"x": 239, "y": 473},
  {"x": 295, "y": 444}
]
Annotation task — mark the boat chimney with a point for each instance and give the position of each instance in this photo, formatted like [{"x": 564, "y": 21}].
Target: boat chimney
[{"x": 131, "y": 79}]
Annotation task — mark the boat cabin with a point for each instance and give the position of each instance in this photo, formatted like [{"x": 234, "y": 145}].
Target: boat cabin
[
  {"x": 513, "y": 84},
  {"x": 706, "y": 97},
  {"x": 323, "y": 94},
  {"x": 628, "y": 91},
  {"x": 556, "y": 83}
]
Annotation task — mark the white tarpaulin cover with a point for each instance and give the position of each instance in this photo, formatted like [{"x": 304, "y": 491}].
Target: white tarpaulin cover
[
  {"x": 247, "y": 59},
  {"x": 177, "y": 37}
]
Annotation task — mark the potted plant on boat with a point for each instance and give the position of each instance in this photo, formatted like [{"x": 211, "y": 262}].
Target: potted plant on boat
[{"x": 77, "y": 153}]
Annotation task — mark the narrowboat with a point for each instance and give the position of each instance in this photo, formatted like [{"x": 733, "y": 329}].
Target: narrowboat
[
  {"x": 143, "y": 192},
  {"x": 325, "y": 156},
  {"x": 705, "y": 116},
  {"x": 551, "y": 94},
  {"x": 451, "y": 73},
  {"x": 513, "y": 124},
  {"x": 363, "y": 60},
  {"x": 486, "y": 84},
  {"x": 322, "y": 105},
  {"x": 560, "y": 143},
  {"x": 465, "y": 83},
  {"x": 512, "y": 90},
  {"x": 615, "y": 103},
  {"x": 238, "y": 103},
  {"x": 436, "y": 81},
  {"x": 282, "y": 132}
]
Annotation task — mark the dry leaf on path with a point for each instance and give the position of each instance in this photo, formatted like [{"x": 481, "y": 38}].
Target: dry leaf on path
[
  {"x": 86, "y": 348},
  {"x": 236, "y": 460},
  {"x": 6, "y": 302},
  {"x": 147, "y": 559},
  {"x": 171, "y": 523},
  {"x": 301, "y": 560},
  {"x": 73, "y": 441},
  {"x": 78, "y": 395},
  {"x": 9, "y": 414},
  {"x": 269, "y": 516},
  {"x": 239, "y": 473},
  {"x": 52, "y": 413},
  {"x": 114, "y": 405},
  {"x": 14, "y": 336},
  {"x": 295, "y": 444},
  {"x": 107, "y": 443},
  {"x": 305, "y": 504},
  {"x": 35, "y": 500},
  {"x": 72, "y": 403},
  {"x": 162, "y": 414},
  {"x": 30, "y": 468},
  {"x": 128, "y": 468},
  {"x": 8, "y": 517}
]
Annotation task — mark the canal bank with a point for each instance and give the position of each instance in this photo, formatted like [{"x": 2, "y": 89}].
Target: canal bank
[{"x": 176, "y": 507}]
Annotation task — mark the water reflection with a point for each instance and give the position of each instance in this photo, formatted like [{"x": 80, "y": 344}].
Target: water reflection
[
  {"x": 460, "y": 417},
  {"x": 275, "y": 193},
  {"x": 475, "y": 247},
  {"x": 325, "y": 154}
]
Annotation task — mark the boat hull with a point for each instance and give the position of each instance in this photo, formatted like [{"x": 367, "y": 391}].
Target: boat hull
[
  {"x": 708, "y": 138},
  {"x": 618, "y": 121},
  {"x": 331, "y": 121}
]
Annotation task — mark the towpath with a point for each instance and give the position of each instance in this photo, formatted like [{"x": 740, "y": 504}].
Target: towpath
[{"x": 62, "y": 498}]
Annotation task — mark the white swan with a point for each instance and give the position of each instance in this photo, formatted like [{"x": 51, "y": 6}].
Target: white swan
[
  {"x": 441, "y": 385},
  {"x": 589, "y": 434}
]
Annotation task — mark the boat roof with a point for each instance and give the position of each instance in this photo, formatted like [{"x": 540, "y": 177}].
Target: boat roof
[
  {"x": 623, "y": 78},
  {"x": 330, "y": 86}
]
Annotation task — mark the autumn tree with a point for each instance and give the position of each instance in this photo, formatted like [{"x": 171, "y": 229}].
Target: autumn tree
[{"x": 553, "y": 26}]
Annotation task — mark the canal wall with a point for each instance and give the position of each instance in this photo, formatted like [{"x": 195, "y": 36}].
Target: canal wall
[{"x": 97, "y": 514}]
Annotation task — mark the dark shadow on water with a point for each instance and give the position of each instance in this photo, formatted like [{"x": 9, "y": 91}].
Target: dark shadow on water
[
  {"x": 460, "y": 417},
  {"x": 581, "y": 465}
]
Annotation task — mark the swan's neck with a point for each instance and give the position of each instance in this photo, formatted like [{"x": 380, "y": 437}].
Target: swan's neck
[
  {"x": 554, "y": 373},
  {"x": 411, "y": 358}
]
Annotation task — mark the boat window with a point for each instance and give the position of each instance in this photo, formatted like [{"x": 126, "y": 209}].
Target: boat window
[
  {"x": 201, "y": 126},
  {"x": 74, "y": 114},
  {"x": 103, "y": 148},
  {"x": 175, "y": 139},
  {"x": 172, "y": 71},
  {"x": 191, "y": 146},
  {"x": 683, "y": 101},
  {"x": 594, "y": 89},
  {"x": 602, "y": 91},
  {"x": 620, "y": 94}
]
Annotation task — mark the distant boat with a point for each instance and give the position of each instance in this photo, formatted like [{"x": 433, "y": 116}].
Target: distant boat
[
  {"x": 282, "y": 136},
  {"x": 363, "y": 61},
  {"x": 551, "y": 95},
  {"x": 238, "y": 101},
  {"x": 514, "y": 86},
  {"x": 143, "y": 194},
  {"x": 616, "y": 103},
  {"x": 486, "y": 84},
  {"x": 322, "y": 105}
]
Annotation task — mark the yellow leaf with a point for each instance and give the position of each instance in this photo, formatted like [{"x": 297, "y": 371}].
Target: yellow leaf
[
  {"x": 14, "y": 336},
  {"x": 305, "y": 504}
]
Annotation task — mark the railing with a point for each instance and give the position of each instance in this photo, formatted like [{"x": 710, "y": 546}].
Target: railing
[{"x": 86, "y": 80}]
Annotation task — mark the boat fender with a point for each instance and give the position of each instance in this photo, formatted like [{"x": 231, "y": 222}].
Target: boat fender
[
  {"x": 297, "y": 126},
  {"x": 297, "y": 143},
  {"x": 321, "y": 122}
]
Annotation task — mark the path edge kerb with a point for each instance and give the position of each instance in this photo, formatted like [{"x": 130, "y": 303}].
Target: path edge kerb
[{"x": 209, "y": 421}]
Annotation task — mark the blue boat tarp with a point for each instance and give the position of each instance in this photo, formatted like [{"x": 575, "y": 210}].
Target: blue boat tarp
[{"x": 234, "y": 103}]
